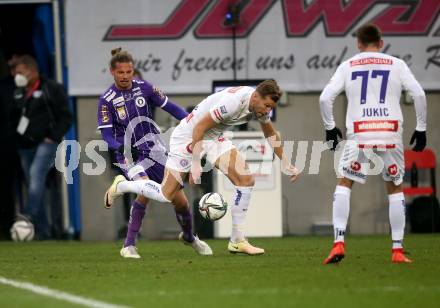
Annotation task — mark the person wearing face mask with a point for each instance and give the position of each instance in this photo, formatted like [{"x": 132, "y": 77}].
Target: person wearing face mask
[
  {"x": 8, "y": 154},
  {"x": 42, "y": 115}
]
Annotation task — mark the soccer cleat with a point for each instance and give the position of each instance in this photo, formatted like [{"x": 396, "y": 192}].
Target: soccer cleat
[
  {"x": 199, "y": 246},
  {"x": 398, "y": 256},
  {"x": 130, "y": 252},
  {"x": 111, "y": 194},
  {"x": 336, "y": 254},
  {"x": 244, "y": 247}
]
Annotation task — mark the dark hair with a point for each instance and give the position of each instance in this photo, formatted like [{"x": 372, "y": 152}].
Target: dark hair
[
  {"x": 120, "y": 56},
  {"x": 270, "y": 88},
  {"x": 369, "y": 34},
  {"x": 27, "y": 61}
]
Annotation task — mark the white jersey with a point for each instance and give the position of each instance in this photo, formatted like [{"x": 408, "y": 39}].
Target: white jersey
[
  {"x": 373, "y": 83},
  {"x": 227, "y": 107}
]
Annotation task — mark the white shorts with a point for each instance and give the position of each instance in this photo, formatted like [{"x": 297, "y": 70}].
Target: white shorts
[
  {"x": 180, "y": 156},
  {"x": 355, "y": 163}
]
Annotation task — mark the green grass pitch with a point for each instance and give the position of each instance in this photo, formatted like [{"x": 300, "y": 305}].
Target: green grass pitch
[{"x": 290, "y": 274}]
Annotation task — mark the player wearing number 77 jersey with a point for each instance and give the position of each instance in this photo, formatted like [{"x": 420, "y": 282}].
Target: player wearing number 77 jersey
[{"x": 373, "y": 83}]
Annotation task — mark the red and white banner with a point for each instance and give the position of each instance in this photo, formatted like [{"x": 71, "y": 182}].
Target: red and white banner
[{"x": 182, "y": 45}]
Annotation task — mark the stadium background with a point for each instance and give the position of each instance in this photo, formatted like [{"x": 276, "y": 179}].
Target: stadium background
[{"x": 413, "y": 29}]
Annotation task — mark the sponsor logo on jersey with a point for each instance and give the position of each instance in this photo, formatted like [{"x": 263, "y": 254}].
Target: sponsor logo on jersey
[
  {"x": 137, "y": 93},
  {"x": 223, "y": 109},
  {"x": 104, "y": 114},
  {"x": 138, "y": 81},
  {"x": 118, "y": 100},
  {"x": 376, "y": 126},
  {"x": 371, "y": 60},
  {"x": 140, "y": 101},
  {"x": 136, "y": 89},
  {"x": 111, "y": 96},
  {"x": 121, "y": 113}
]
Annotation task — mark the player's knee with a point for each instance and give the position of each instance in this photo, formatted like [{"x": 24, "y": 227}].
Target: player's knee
[
  {"x": 246, "y": 181},
  {"x": 394, "y": 189},
  {"x": 142, "y": 200},
  {"x": 345, "y": 182}
]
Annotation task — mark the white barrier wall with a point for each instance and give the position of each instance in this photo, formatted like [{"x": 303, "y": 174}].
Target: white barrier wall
[{"x": 264, "y": 217}]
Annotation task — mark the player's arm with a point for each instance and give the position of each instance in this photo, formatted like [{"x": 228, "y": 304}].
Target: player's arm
[
  {"x": 160, "y": 100},
  {"x": 105, "y": 125},
  {"x": 275, "y": 142},
  {"x": 326, "y": 101},
  {"x": 416, "y": 92},
  {"x": 205, "y": 124}
]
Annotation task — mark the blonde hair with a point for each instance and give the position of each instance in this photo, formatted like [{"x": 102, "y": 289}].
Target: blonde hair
[{"x": 120, "y": 56}]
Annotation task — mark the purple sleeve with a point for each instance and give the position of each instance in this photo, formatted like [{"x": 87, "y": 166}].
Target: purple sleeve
[
  {"x": 104, "y": 114},
  {"x": 154, "y": 94},
  {"x": 175, "y": 110},
  {"x": 107, "y": 135}
]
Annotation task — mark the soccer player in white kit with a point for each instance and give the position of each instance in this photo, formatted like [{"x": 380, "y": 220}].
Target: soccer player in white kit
[
  {"x": 373, "y": 83},
  {"x": 201, "y": 133}
]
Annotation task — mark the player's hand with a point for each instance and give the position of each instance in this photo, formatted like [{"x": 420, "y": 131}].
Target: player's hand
[
  {"x": 332, "y": 136},
  {"x": 195, "y": 174},
  {"x": 134, "y": 153},
  {"x": 291, "y": 171},
  {"x": 420, "y": 139}
]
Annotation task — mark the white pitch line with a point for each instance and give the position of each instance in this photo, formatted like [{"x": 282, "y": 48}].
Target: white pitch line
[{"x": 57, "y": 294}]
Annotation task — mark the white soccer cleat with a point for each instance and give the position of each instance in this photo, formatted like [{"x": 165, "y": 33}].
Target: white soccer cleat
[
  {"x": 130, "y": 252},
  {"x": 244, "y": 247},
  {"x": 111, "y": 194},
  {"x": 199, "y": 246}
]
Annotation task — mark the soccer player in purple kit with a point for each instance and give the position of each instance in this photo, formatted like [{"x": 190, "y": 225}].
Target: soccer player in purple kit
[{"x": 124, "y": 113}]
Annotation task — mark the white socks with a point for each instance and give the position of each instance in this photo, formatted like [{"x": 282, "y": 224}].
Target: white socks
[
  {"x": 341, "y": 209},
  {"x": 147, "y": 188},
  {"x": 397, "y": 218},
  {"x": 239, "y": 208}
]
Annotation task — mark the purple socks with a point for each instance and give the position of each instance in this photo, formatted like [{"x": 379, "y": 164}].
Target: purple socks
[
  {"x": 185, "y": 221},
  {"x": 137, "y": 213}
]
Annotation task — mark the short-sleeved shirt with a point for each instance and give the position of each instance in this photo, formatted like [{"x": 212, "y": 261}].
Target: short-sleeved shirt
[
  {"x": 131, "y": 109},
  {"x": 227, "y": 107}
]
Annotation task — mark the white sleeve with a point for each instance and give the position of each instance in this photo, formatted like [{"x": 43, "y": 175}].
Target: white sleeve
[
  {"x": 224, "y": 109},
  {"x": 416, "y": 92},
  {"x": 328, "y": 95}
]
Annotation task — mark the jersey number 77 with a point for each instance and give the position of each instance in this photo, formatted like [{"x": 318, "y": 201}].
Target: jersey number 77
[{"x": 364, "y": 83}]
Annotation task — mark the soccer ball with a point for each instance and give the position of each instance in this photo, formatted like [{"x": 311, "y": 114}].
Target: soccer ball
[
  {"x": 212, "y": 206},
  {"x": 22, "y": 231}
]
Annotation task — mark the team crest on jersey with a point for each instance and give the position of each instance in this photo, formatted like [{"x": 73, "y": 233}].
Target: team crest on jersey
[
  {"x": 223, "y": 109},
  {"x": 159, "y": 92},
  {"x": 140, "y": 101},
  {"x": 121, "y": 113},
  {"x": 184, "y": 162}
]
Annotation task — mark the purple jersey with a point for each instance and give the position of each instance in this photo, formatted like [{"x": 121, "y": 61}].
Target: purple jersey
[{"x": 117, "y": 108}]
